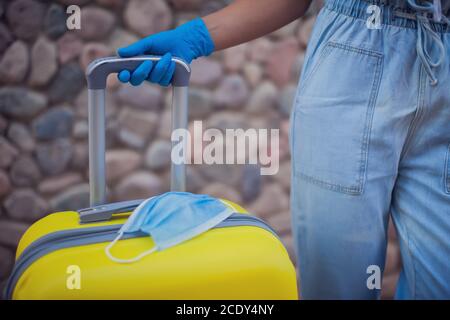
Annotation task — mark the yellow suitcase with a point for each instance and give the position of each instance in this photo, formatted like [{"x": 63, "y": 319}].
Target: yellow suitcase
[{"x": 62, "y": 255}]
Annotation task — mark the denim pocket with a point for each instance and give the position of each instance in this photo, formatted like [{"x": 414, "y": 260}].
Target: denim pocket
[
  {"x": 447, "y": 171},
  {"x": 333, "y": 117}
]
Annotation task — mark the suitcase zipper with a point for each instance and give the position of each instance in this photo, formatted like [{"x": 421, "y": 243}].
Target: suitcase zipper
[{"x": 77, "y": 237}]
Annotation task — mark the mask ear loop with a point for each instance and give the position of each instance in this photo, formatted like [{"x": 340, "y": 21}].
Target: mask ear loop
[{"x": 118, "y": 260}]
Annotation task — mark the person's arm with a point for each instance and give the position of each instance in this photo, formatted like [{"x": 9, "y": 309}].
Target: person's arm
[
  {"x": 245, "y": 20},
  {"x": 241, "y": 21}
]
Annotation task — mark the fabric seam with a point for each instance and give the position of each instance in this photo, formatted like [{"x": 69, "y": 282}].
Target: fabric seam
[
  {"x": 447, "y": 172},
  {"x": 417, "y": 116}
]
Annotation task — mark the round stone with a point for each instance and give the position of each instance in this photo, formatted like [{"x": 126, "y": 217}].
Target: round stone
[
  {"x": 8, "y": 153},
  {"x": 185, "y": 5},
  {"x": 14, "y": 63},
  {"x": 114, "y": 4},
  {"x": 147, "y": 17},
  {"x": 55, "y": 21},
  {"x": 6, "y": 38},
  {"x": 232, "y": 92},
  {"x": 20, "y": 103},
  {"x": 53, "y": 157},
  {"x": 272, "y": 200},
  {"x": 69, "y": 47},
  {"x": 80, "y": 156},
  {"x": 44, "y": 62},
  {"x": 194, "y": 180},
  {"x": 136, "y": 127},
  {"x": 55, "y": 123},
  {"x": 235, "y": 57},
  {"x": 25, "y": 205},
  {"x": 120, "y": 163},
  {"x": 251, "y": 182},
  {"x": 3, "y": 125},
  {"x": 145, "y": 96},
  {"x": 223, "y": 120},
  {"x": 5, "y": 184},
  {"x": 76, "y": 2},
  {"x": 263, "y": 98},
  {"x": 25, "y": 18},
  {"x": 96, "y": 23},
  {"x": 74, "y": 198},
  {"x": 81, "y": 129},
  {"x": 225, "y": 174},
  {"x": 121, "y": 38},
  {"x": 260, "y": 50},
  {"x": 206, "y": 72},
  {"x": 158, "y": 155},
  {"x": 222, "y": 191},
  {"x": 165, "y": 125},
  {"x": 11, "y": 232},
  {"x": 25, "y": 172},
  {"x": 67, "y": 83},
  {"x": 280, "y": 62},
  {"x": 138, "y": 185},
  {"x": 208, "y": 7},
  {"x": 54, "y": 185},
  {"x": 281, "y": 223},
  {"x": 6, "y": 262},
  {"x": 200, "y": 102},
  {"x": 286, "y": 31},
  {"x": 253, "y": 73}
]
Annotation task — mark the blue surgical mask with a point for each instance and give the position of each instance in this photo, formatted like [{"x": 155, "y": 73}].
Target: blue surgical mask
[{"x": 170, "y": 219}]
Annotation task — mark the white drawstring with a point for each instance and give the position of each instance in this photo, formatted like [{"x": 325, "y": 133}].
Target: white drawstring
[{"x": 424, "y": 30}]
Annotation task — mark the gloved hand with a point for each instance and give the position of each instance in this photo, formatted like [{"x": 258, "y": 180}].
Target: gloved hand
[{"x": 188, "y": 41}]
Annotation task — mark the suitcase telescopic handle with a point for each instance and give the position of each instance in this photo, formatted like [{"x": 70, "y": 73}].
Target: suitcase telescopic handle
[{"x": 96, "y": 75}]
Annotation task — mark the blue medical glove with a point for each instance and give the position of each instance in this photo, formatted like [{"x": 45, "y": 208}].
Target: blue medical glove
[{"x": 188, "y": 41}]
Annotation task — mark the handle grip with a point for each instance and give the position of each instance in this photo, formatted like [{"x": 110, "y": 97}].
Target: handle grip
[
  {"x": 96, "y": 75},
  {"x": 98, "y": 70}
]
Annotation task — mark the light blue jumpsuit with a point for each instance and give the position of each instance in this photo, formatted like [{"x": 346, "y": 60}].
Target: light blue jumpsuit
[{"x": 370, "y": 138}]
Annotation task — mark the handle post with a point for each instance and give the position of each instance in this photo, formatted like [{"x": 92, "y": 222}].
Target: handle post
[
  {"x": 97, "y": 170},
  {"x": 180, "y": 112}
]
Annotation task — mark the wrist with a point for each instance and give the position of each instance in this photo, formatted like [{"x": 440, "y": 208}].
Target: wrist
[{"x": 196, "y": 34}]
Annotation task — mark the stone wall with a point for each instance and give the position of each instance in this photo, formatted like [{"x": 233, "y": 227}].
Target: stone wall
[{"x": 43, "y": 112}]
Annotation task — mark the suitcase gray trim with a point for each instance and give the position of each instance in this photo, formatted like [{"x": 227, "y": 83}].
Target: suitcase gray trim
[{"x": 84, "y": 236}]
